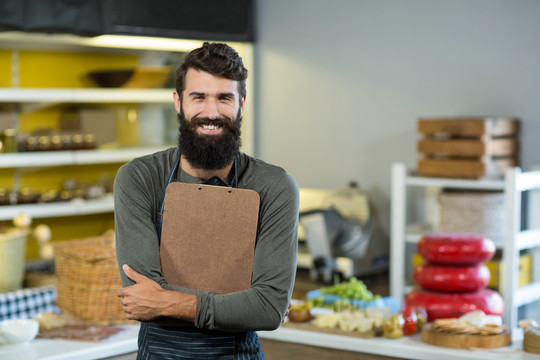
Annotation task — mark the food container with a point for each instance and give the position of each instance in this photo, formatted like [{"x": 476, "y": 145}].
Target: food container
[
  {"x": 139, "y": 77},
  {"x": 87, "y": 280},
  {"x": 12, "y": 256},
  {"x": 19, "y": 331},
  {"x": 388, "y": 302},
  {"x": 531, "y": 340},
  {"x": 478, "y": 212}
]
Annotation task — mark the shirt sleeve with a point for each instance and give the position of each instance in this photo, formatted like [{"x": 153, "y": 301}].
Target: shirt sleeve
[{"x": 136, "y": 237}]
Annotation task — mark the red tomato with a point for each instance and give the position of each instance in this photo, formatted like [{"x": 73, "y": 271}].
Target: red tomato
[
  {"x": 447, "y": 305},
  {"x": 409, "y": 320},
  {"x": 456, "y": 248},
  {"x": 452, "y": 278}
]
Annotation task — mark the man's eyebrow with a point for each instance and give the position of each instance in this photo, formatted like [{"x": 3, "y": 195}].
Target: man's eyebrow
[{"x": 223, "y": 94}]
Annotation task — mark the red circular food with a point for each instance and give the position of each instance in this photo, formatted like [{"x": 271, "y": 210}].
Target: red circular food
[
  {"x": 456, "y": 248},
  {"x": 441, "y": 305},
  {"x": 452, "y": 278}
]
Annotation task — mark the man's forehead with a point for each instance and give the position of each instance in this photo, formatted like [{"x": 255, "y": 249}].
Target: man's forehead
[{"x": 204, "y": 82}]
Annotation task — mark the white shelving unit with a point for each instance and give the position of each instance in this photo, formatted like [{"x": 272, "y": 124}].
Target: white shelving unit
[
  {"x": 86, "y": 96},
  {"x": 29, "y": 99},
  {"x": 59, "y": 209},
  {"x": 77, "y": 157},
  {"x": 515, "y": 240},
  {"x": 65, "y": 158}
]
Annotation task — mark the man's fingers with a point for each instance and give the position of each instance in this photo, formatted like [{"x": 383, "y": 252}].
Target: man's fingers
[
  {"x": 120, "y": 292},
  {"x": 132, "y": 274}
]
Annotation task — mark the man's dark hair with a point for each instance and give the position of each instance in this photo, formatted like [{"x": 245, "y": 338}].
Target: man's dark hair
[{"x": 217, "y": 59}]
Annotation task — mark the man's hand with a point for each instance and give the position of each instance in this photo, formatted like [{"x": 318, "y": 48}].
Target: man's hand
[
  {"x": 287, "y": 313},
  {"x": 141, "y": 300}
]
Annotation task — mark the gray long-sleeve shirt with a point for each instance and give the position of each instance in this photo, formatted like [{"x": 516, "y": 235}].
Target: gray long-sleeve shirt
[{"x": 138, "y": 190}]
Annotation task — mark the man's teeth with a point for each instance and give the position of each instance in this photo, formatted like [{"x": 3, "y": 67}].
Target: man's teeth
[{"x": 210, "y": 127}]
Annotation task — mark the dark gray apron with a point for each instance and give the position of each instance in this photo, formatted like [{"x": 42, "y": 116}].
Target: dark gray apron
[{"x": 158, "y": 342}]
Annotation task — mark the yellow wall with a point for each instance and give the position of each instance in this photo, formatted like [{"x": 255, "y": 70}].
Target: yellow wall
[
  {"x": 54, "y": 69},
  {"x": 5, "y": 68}
]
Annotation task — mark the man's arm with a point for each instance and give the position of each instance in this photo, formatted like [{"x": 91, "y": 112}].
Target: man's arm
[
  {"x": 262, "y": 307},
  {"x": 146, "y": 300}
]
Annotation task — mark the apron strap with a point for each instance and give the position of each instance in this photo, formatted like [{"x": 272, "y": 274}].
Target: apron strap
[
  {"x": 170, "y": 178},
  {"x": 159, "y": 218}
]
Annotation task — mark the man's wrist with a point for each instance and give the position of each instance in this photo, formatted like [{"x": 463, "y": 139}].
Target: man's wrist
[{"x": 180, "y": 305}]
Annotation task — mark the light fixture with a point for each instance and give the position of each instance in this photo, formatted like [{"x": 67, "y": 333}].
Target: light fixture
[{"x": 142, "y": 42}]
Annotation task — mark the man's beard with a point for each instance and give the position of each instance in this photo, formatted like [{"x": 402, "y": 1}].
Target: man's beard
[{"x": 209, "y": 152}]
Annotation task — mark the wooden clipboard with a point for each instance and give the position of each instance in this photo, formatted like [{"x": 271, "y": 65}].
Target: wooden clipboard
[{"x": 208, "y": 237}]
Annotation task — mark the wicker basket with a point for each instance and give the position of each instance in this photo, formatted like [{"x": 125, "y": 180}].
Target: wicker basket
[
  {"x": 479, "y": 212},
  {"x": 531, "y": 342},
  {"x": 87, "y": 280},
  {"x": 12, "y": 258}
]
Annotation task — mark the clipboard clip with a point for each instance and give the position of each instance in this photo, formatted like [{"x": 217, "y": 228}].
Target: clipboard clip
[{"x": 229, "y": 190}]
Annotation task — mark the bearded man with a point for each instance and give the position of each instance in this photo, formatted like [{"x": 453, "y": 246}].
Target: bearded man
[{"x": 182, "y": 323}]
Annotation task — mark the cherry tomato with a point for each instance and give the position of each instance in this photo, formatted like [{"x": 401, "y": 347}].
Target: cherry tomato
[{"x": 409, "y": 320}]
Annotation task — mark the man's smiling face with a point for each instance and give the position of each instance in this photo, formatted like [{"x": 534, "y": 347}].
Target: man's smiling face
[
  {"x": 211, "y": 97},
  {"x": 210, "y": 117}
]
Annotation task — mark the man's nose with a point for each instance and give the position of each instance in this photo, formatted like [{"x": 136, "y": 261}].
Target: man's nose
[{"x": 211, "y": 109}]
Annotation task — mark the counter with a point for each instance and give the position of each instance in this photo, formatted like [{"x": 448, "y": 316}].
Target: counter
[
  {"x": 409, "y": 347},
  {"x": 126, "y": 341},
  {"x": 42, "y": 349}
]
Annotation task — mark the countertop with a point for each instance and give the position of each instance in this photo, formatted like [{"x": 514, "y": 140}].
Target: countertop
[
  {"x": 126, "y": 341},
  {"x": 44, "y": 349},
  {"x": 409, "y": 347}
]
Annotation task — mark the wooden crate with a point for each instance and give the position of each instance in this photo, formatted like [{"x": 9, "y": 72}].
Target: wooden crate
[
  {"x": 468, "y": 147},
  {"x": 484, "y": 167},
  {"x": 470, "y": 126}
]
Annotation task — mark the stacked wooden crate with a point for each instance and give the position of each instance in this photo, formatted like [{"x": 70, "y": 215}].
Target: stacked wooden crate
[{"x": 468, "y": 147}]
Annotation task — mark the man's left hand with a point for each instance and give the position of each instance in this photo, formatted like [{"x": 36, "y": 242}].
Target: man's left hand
[{"x": 141, "y": 300}]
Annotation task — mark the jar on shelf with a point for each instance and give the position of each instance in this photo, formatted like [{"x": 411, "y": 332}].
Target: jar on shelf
[
  {"x": 44, "y": 143},
  {"x": 8, "y": 141},
  {"x": 4, "y": 196},
  {"x": 48, "y": 196},
  {"x": 89, "y": 141},
  {"x": 77, "y": 142},
  {"x": 66, "y": 142},
  {"x": 31, "y": 143},
  {"x": 27, "y": 196},
  {"x": 56, "y": 142}
]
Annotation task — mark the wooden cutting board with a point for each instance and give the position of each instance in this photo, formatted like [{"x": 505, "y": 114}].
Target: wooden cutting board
[{"x": 465, "y": 341}]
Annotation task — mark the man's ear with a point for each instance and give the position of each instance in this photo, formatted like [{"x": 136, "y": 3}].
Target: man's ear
[
  {"x": 177, "y": 102},
  {"x": 242, "y": 103}
]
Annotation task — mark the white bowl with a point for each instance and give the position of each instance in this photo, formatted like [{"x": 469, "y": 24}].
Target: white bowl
[{"x": 19, "y": 331}]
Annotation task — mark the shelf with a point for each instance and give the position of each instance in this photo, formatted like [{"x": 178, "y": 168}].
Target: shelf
[
  {"x": 78, "y": 157},
  {"x": 515, "y": 240},
  {"x": 527, "y": 239},
  {"x": 527, "y": 294},
  {"x": 488, "y": 184},
  {"x": 528, "y": 181},
  {"x": 99, "y": 95},
  {"x": 46, "y": 210}
]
